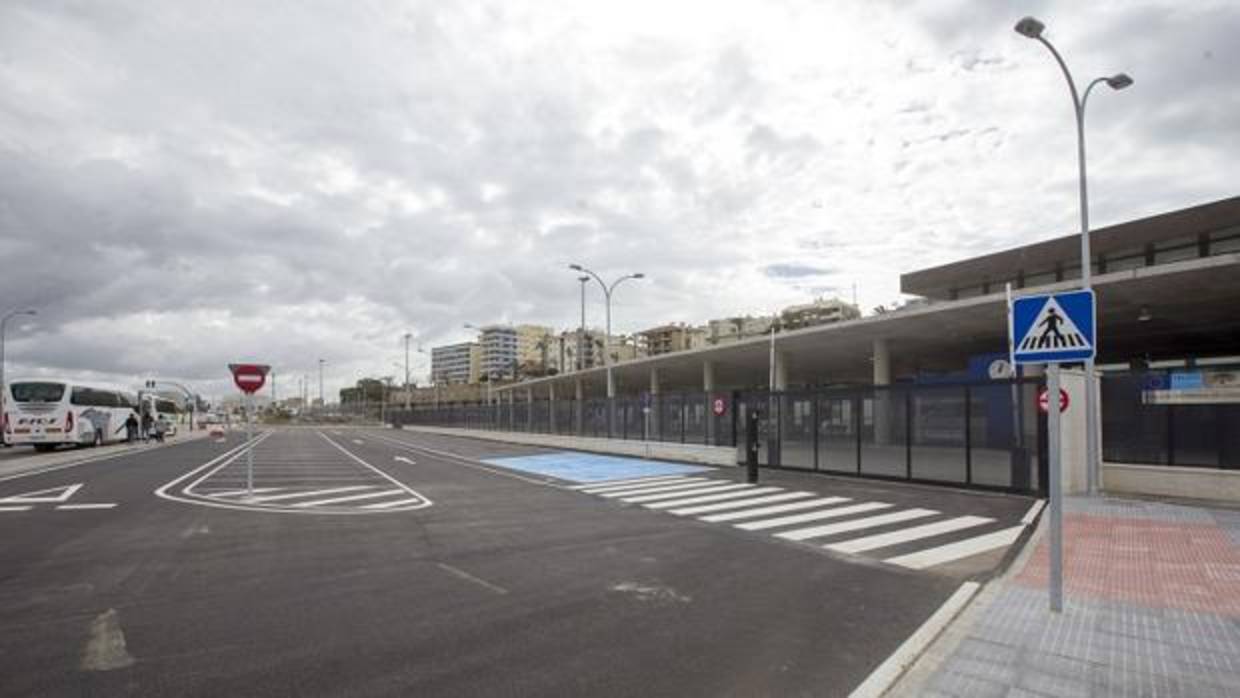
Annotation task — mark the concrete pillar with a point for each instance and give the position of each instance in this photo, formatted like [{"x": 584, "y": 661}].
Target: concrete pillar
[
  {"x": 708, "y": 387},
  {"x": 882, "y": 398},
  {"x": 551, "y": 425},
  {"x": 781, "y": 370},
  {"x": 651, "y": 418},
  {"x": 529, "y": 410},
  {"x": 579, "y": 395}
]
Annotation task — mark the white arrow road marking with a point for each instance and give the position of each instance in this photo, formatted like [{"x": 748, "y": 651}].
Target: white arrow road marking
[
  {"x": 41, "y": 496},
  {"x": 403, "y": 459}
]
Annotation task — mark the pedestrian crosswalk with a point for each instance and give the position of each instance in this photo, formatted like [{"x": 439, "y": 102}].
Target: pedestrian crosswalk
[{"x": 912, "y": 537}]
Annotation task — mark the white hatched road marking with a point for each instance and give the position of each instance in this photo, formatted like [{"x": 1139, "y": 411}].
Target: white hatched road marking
[
  {"x": 608, "y": 484},
  {"x": 855, "y": 524},
  {"x": 771, "y": 499},
  {"x": 16, "y": 508},
  {"x": 905, "y": 535},
  {"x": 956, "y": 551},
  {"x": 812, "y": 516},
  {"x": 662, "y": 487},
  {"x": 230, "y": 493},
  {"x": 85, "y": 506},
  {"x": 306, "y": 493},
  {"x": 389, "y": 505},
  {"x": 350, "y": 498},
  {"x": 714, "y": 497},
  {"x": 765, "y": 511},
  {"x": 705, "y": 489}
]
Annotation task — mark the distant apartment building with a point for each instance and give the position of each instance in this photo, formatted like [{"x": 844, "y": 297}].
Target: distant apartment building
[
  {"x": 732, "y": 329},
  {"x": 575, "y": 350},
  {"x": 536, "y": 345},
  {"x": 821, "y": 311},
  {"x": 666, "y": 339},
  {"x": 499, "y": 351},
  {"x": 456, "y": 363}
]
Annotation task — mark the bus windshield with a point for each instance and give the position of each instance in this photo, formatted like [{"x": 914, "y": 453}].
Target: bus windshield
[{"x": 37, "y": 392}]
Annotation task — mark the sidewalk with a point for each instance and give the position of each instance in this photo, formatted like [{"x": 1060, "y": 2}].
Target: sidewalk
[
  {"x": 1152, "y": 608},
  {"x": 20, "y": 460}
]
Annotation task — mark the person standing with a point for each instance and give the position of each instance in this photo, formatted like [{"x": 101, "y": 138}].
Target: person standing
[{"x": 131, "y": 428}]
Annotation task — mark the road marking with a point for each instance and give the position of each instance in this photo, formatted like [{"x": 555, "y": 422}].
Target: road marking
[
  {"x": 812, "y": 516},
  {"x": 382, "y": 474},
  {"x": 86, "y": 506},
  {"x": 687, "y": 483},
  {"x": 350, "y": 498},
  {"x": 605, "y": 484},
  {"x": 359, "y": 442},
  {"x": 389, "y": 505},
  {"x": 105, "y": 649},
  {"x": 467, "y": 462},
  {"x": 882, "y": 678},
  {"x": 42, "y": 496},
  {"x": 403, "y": 459},
  {"x": 16, "y": 508},
  {"x": 741, "y": 504},
  {"x": 703, "y": 488},
  {"x": 956, "y": 551},
  {"x": 883, "y": 540},
  {"x": 304, "y": 493},
  {"x": 714, "y": 497},
  {"x": 855, "y": 524},
  {"x": 764, "y": 511},
  {"x": 1033, "y": 512},
  {"x": 470, "y": 578},
  {"x": 230, "y": 493}
]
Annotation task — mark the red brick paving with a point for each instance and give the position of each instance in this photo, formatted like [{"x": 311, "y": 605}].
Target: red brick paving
[{"x": 1188, "y": 566}]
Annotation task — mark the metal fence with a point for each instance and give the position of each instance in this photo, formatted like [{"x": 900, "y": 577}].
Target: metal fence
[
  {"x": 1136, "y": 429},
  {"x": 987, "y": 435}
]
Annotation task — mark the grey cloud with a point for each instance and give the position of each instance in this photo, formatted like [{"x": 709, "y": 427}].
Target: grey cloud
[{"x": 794, "y": 270}]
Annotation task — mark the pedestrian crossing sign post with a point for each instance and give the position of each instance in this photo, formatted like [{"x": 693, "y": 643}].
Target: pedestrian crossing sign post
[{"x": 1053, "y": 328}]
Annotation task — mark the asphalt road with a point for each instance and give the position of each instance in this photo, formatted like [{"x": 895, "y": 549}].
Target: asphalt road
[{"x": 365, "y": 564}]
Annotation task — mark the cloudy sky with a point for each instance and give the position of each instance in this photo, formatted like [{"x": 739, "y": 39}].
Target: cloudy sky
[{"x": 187, "y": 184}]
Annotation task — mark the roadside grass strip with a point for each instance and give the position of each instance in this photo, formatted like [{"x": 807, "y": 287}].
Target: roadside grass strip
[{"x": 592, "y": 468}]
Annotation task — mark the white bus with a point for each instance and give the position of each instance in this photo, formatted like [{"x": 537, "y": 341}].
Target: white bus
[
  {"x": 162, "y": 410},
  {"x": 49, "y": 413}
]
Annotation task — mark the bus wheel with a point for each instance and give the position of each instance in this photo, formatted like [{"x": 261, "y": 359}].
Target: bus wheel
[{"x": 98, "y": 439}]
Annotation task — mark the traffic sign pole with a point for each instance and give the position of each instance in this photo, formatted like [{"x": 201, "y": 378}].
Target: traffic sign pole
[
  {"x": 1055, "y": 493},
  {"x": 249, "y": 452}
]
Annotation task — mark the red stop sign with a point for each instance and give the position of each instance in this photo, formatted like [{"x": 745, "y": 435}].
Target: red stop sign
[
  {"x": 250, "y": 378},
  {"x": 719, "y": 407},
  {"x": 1044, "y": 402}
]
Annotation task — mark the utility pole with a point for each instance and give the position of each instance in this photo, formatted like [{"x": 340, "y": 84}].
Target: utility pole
[
  {"x": 408, "y": 397},
  {"x": 322, "y": 402}
]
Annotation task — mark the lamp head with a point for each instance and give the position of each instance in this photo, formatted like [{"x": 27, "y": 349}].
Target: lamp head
[
  {"x": 583, "y": 278},
  {"x": 575, "y": 267},
  {"x": 639, "y": 275},
  {"x": 1119, "y": 81},
  {"x": 1030, "y": 28}
]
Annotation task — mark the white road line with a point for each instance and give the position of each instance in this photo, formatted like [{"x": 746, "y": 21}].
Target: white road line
[
  {"x": 16, "y": 508},
  {"x": 389, "y": 505},
  {"x": 85, "y": 506},
  {"x": 471, "y": 578},
  {"x": 812, "y": 516},
  {"x": 229, "y": 493},
  {"x": 883, "y": 540},
  {"x": 713, "y": 498},
  {"x": 385, "y": 476},
  {"x": 741, "y": 504},
  {"x": 707, "y": 488},
  {"x": 1033, "y": 512},
  {"x": 779, "y": 509},
  {"x": 403, "y": 459},
  {"x": 603, "y": 484},
  {"x": 359, "y": 442},
  {"x": 305, "y": 493},
  {"x": 670, "y": 487},
  {"x": 641, "y": 485},
  {"x": 336, "y": 500},
  {"x": 855, "y": 524},
  {"x": 956, "y": 551}
]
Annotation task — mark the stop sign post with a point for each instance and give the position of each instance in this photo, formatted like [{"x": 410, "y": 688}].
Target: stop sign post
[
  {"x": 719, "y": 406},
  {"x": 249, "y": 378}
]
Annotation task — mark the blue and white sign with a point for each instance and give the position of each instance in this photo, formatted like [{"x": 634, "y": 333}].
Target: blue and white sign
[{"x": 1054, "y": 328}]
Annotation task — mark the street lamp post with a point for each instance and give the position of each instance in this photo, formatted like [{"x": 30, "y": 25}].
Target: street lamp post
[
  {"x": 4, "y": 391},
  {"x": 1032, "y": 28},
  {"x": 322, "y": 402},
  {"x": 408, "y": 397},
  {"x": 581, "y": 335},
  {"x": 607, "y": 291}
]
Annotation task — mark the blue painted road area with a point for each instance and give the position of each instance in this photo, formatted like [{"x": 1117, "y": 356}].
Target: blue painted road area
[{"x": 590, "y": 467}]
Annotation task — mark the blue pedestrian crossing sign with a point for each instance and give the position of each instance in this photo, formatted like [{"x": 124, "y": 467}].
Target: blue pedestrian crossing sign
[{"x": 1054, "y": 328}]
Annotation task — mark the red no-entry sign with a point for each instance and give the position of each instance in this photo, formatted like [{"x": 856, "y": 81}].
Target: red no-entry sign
[
  {"x": 250, "y": 378},
  {"x": 1044, "y": 401},
  {"x": 719, "y": 407}
]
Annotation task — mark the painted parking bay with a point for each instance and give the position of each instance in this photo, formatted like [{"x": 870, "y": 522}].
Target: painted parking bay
[
  {"x": 593, "y": 468},
  {"x": 295, "y": 471}
]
